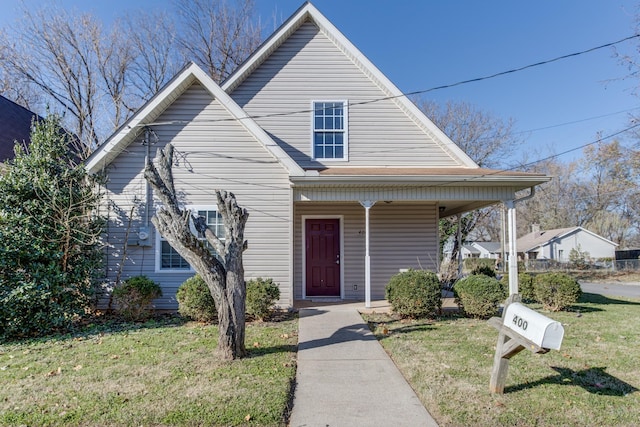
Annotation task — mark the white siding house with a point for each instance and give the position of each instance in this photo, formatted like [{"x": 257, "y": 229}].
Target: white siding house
[
  {"x": 326, "y": 154},
  {"x": 557, "y": 244}
]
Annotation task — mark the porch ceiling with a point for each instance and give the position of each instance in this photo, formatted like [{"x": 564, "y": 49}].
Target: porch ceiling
[{"x": 456, "y": 190}]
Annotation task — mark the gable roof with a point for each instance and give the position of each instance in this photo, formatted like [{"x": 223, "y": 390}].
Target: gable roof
[
  {"x": 15, "y": 125},
  {"x": 151, "y": 110},
  {"x": 308, "y": 13},
  {"x": 537, "y": 239},
  {"x": 491, "y": 247}
]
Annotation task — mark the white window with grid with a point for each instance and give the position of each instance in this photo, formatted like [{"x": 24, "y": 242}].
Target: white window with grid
[
  {"x": 168, "y": 260},
  {"x": 330, "y": 137}
]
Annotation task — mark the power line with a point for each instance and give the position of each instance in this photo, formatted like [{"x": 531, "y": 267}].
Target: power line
[
  {"x": 417, "y": 92},
  {"x": 537, "y": 64},
  {"x": 577, "y": 121}
]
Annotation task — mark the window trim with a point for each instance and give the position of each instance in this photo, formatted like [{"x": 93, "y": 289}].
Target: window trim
[
  {"x": 345, "y": 130},
  {"x": 159, "y": 240}
]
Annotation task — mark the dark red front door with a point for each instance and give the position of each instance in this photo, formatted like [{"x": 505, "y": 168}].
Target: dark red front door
[{"x": 322, "y": 257}]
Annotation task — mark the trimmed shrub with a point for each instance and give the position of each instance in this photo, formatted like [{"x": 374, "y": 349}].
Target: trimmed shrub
[
  {"x": 195, "y": 301},
  {"x": 484, "y": 269},
  {"x": 262, "y": 294},
  {"x": 134, "y": 297},
  {"x": 471, "y": 264},
  {"x": 556, "y": 291},
  {"x": 414, "y": 293},
  {"x": 479, "y": 295},
  {"x": 525, "y": 286}
]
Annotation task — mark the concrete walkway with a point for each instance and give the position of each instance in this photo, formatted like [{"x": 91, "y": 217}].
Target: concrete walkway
[{"x": 345, "y": 378}]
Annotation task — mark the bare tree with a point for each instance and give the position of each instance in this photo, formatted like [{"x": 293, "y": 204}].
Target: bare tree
[
  {"x": 488, "y": 140},
  {"x": 53, "y": 52},
  {"x": 555, "y": 203},
  {"x": 97, "y": 78},
  {"x": 152, "y": 38},
  {"x": 224, "y": 275},
  {"x": 217, "y": 35}
]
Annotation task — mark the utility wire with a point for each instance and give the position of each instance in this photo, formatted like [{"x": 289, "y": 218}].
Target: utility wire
[
  {"x": 537, "y": 64},
  {"x": 417, "y": 92}
]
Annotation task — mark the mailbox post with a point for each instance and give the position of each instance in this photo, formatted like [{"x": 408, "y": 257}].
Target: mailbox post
[{"x": 520, "y": 328}]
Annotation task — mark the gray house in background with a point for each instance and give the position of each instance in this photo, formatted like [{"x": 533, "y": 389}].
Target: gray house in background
[
  {"x": 15, "y": 126},
  {"x": 491, "y": 250},
  {"x": 344, "y": 178},
  {"x": 557, "y": 244}
]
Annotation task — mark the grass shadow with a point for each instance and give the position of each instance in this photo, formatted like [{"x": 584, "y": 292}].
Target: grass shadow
[
  {"x": 103, "y": 324},
  {"x": 589, "y": 298},
  {"x": 593, "y": 380},
  {"x": 264, "y": 351}
]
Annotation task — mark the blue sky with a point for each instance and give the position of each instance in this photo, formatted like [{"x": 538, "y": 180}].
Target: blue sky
[{"x": 423, "y": 44}]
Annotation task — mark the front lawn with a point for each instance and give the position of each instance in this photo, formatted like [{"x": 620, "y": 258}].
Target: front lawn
[
  {"x": 592, "y": 381},
  {"x": 163, "y": 372}
]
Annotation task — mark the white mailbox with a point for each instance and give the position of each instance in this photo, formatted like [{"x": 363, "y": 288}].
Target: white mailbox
[{"x": 542, "y": 331}]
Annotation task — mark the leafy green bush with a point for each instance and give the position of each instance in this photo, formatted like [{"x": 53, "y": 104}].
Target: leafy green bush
[
  {"x": 556, "y": 291},
  {"x": 484, "y": 269},
  {"x": 134, "y": 297},
  {"x": 414, "y": 293},
  {"x": 479, "y": 295},
  {"x": 262, "y": 294},
  {"x": 525, "y": 286},
  {"x": 471, "y": 264},
  {"x": 49, "y": 236},
  {"x": 195, "y": 300}
]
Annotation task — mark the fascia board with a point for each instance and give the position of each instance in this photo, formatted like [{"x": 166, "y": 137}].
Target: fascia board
[
  {"x": 249, "y": 124},
  {"x": 126, "y": 133},
  {"x": 457, "y": 180},
  {"x": 109, "y": 150},
  {"x": 588, "y": 232},
  {"x": 388, "y": 86},
  {"x": 310, "y": 11},
  {"x": 267, "y": 47}
]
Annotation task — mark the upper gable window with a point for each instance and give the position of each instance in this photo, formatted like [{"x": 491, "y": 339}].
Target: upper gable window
[{"x": 330, "y": 130}]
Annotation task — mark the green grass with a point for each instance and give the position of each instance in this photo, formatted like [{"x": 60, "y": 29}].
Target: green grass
[
  {"x": 159, "y": 373},
  {"x": 592, "y": 381}
]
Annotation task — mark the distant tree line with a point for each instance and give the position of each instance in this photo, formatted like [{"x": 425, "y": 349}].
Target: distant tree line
[{"x": 96, "y": 77}]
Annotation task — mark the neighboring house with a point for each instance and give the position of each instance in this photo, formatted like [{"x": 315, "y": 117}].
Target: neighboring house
[
  {"x": 491, "y": 250},
  {"x": 15, "y": 126},
  {"x": 344, "y": 178},
  {"x": 474, "y": 249},
  {"x": 557, "y": 244},
  {"x": 470, "y": 251}
]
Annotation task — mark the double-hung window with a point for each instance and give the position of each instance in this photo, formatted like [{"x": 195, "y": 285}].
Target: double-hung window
[
  {"x": 330, "y": 130},
  {"x": 169, "y": 260}
]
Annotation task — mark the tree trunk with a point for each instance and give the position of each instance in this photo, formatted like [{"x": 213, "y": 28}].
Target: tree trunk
[{"x": 225, "y": 279}]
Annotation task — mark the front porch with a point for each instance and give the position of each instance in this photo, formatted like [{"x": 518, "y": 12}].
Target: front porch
[{"x": 383, "y": 223}]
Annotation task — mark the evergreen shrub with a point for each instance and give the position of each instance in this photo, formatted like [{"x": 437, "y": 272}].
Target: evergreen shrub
[
  {"x": 479, "y": 295},
  {"x": 484, "y": 269},
  {"x": 556, "y": 291},
  {"x": 414, "y": 293},
  {"x": 134, "y": 297},
  {"x": 195, "y": 301},
  {"x": 262, "y": 294},
  {"x": 525, "y": 286},
  {"x": 50, "y": 249}
]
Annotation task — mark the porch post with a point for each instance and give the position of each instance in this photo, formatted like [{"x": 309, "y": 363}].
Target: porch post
[
  {"x": 513, "y": 253},
  {"x": 367, "y": 204},
  {"x": 459, "y": 240},
  {"x": 503, "y": 238}
]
